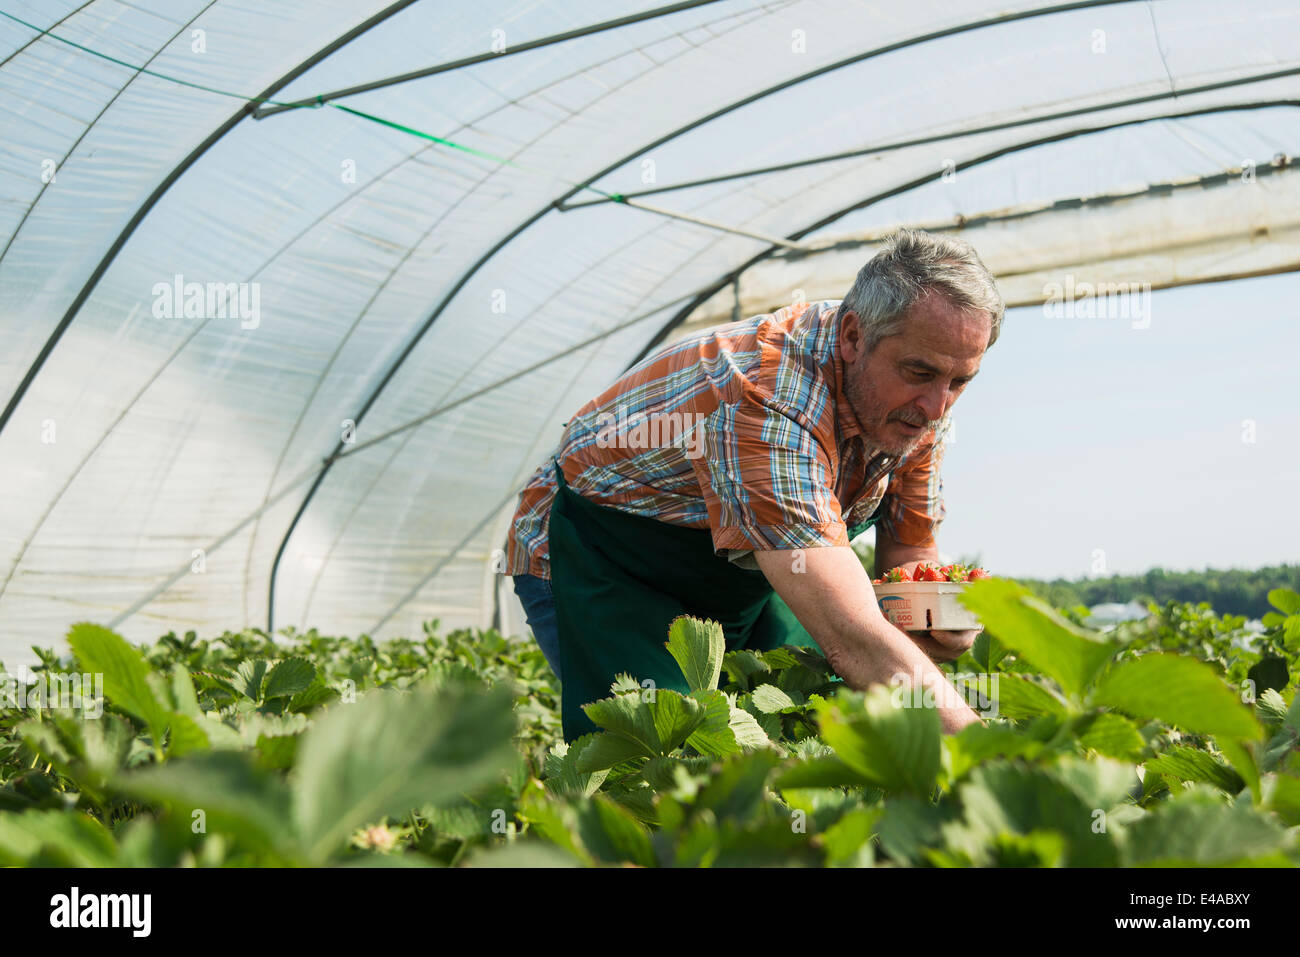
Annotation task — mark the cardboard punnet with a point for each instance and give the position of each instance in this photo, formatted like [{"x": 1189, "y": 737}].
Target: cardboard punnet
[{"x": 918, "y": 606}]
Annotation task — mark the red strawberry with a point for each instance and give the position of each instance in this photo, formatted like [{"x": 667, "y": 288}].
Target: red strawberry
[
  {"x": 897, "y": 574},
  {"x": 931, "y": 574},
  {"x": 978, "y": 573}
]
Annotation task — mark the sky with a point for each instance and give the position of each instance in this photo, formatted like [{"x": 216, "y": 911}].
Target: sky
[{"x": 1087, "y": 447}]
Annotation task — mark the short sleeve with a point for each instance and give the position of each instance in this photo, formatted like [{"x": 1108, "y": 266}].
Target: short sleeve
[
  {"x": 913, "y": 503},
  {"x": 767, "y": 478}
]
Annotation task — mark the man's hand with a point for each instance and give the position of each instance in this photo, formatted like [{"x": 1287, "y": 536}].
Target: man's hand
[{"x": 944, "y": 645}]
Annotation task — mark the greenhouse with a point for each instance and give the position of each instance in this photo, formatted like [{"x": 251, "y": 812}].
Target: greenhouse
[{"x": 296, "y": 299}]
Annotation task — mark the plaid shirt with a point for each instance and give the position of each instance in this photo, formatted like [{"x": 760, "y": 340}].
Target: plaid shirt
[{"x": 742, "y": 429}]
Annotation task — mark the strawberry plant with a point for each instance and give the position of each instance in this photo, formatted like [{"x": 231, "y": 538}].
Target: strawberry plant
[{"x": 1172, "y": 741}]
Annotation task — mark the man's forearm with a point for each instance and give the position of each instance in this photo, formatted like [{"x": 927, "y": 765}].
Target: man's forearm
[
  {"x": 879, "y": 653},
  {"x": 831, "y": 596}
]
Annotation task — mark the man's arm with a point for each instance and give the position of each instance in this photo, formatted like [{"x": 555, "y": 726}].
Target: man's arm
[{"x": 832, "y": 598}]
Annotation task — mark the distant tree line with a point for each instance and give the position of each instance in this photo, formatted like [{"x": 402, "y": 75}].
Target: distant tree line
[{"x": 1230, "y": 591}]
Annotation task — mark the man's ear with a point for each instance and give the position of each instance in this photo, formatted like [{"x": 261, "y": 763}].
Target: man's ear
[{"x": 851, "y": 343}]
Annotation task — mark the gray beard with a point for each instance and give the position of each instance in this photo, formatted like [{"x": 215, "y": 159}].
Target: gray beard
[{"x": 871, "y": 415}]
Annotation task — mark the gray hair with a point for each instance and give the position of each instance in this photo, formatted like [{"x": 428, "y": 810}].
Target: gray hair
[{"x": 910, "y": 262}]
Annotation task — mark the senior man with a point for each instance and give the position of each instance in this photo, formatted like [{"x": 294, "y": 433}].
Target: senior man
[{"x": 724, "y": 476}]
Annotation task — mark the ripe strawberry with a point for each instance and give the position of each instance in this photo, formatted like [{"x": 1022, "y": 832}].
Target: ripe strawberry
[
  {"x": 929, "y": 573},
  {"x": 898, "y": 574},
  {"x": 978, "y": 573},
  {"x": 957, "y": 572}
]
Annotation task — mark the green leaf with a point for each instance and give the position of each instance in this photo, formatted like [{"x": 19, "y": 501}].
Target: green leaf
[
  {"x": 896, "y": 748},
  {"x": 988, "y": 651},
  {"x": 233, "y": 797},
  {"x": 976, "y": 743},
  {"x": 1006, "y": 798},
  {"x": 714, "y": 735},
  {"x": 1198, "y": 828},
  {"x": 55, "y": 838},
  {"x": 1097, "y": 782},
  {"x": 1241, "y": 754},
  {"x": 848, "y": 840},
  {"x": 910, "y": 825},
  {"x": 186, "y": 737},
  {"x": 770, "y": 699},
  {"x": 1034, "y": 849},
  {"x": 522, "y": 854},
  {"x": 1285, "y": 600},
  {"x": 1177, "y": 690},
  {"x": 1291, "y": 633},
  {"x": 742, "y": 665},
  {"x": 562, "y": 774},
  {"x": 288, "y": 678},
  {"x": 390, "y": 752},
  {"x": 309, "y": 698},
  {"x": 748, "y": 732},
  {"x": 1112, "y": 735},
  {"x": 1038, "y": 633},
  {"x": 1193, "y": 764},
  {"x": 277, "y": 751},
  {"x": 553, "y": 821},
  {"x": 1016, "y": 696},
  {"x": 1277, "y": 748},
  {"x": 698, "y": 647},
  {"x": 182, "y": 692},
  {"x": 828, "y": 772},
  {"x": 1284, "y": 798},
  {"x": 126, "y": 675},
  {"x": 736, "y": 790},
  {"x": 251, "y": 672},
  {"x": 657, "y": 726},
  {"x": 613, "y": 835},
  {"x": 1271, "y": 707},
  {"x": 604, "y": 750},
  {"x": 88, "y": 752}
]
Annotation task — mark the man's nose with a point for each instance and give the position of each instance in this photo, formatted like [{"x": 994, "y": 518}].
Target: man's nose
[{"x": 934, "y": 402}]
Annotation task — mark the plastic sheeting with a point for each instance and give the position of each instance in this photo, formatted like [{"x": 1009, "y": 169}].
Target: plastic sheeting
[{"x": 415, "y": 321}]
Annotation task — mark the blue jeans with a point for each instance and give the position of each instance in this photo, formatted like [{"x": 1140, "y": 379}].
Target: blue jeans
[{"x": 539, "y": 606}]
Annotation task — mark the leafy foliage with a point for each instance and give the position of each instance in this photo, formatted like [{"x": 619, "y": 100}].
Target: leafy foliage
[{"x": 1169, "y": 742}]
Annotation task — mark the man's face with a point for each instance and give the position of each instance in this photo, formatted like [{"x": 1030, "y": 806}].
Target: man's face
[{"x": 914, "y": 377}]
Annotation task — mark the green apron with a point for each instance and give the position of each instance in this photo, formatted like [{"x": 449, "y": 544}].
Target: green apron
[{"x": 620, "y": 579}]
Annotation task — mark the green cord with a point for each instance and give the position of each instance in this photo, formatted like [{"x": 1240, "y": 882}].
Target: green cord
[
  {"x": 320, "y": 101},
  {"x": 140, "y": 69}
]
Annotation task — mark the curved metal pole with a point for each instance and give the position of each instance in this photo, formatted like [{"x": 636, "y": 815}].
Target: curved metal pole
[
  {"x": 546, "y": 41},
  {"x": 161, "y": 189},
  {"x": 940, "y": 137},
  {"x": 734, "y": 274}
]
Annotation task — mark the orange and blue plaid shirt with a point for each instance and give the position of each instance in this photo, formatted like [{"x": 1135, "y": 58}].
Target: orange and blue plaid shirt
[{"x": 743, "y": 429}]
